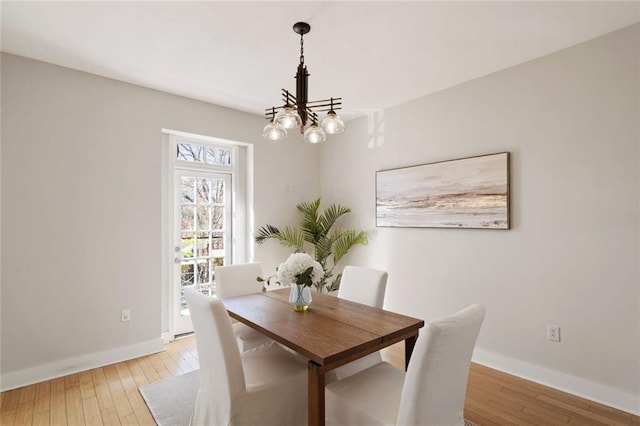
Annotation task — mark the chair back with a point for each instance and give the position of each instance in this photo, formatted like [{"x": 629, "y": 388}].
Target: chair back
[
  {"x": 436, "y": 381},
  {"x": 238, "y": 280},
  {"x": 363, "y": 285},
  {"x": 221, "y": 371}
]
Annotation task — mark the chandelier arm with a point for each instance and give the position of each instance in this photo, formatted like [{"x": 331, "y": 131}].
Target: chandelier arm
[{"x": 288, "y": 98}]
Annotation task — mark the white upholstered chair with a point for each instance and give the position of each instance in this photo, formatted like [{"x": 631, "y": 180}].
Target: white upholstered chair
[
  {"x": 366, "y": 286},
  {"x": 238, "y": 280},
  {"x": 267, "y": 386},
  {"x": 432, "y": 392},
  {"x": 363, "y": 285}
]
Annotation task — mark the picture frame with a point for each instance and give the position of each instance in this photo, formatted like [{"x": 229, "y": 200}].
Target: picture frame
[{"x": 470, "y": 192}]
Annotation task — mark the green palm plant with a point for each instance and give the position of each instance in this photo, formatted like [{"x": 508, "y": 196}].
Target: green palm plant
[{"x": 316, "y": 230}]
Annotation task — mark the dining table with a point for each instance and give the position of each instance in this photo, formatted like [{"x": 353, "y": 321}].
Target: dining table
[{"x": 330, "y": 333}]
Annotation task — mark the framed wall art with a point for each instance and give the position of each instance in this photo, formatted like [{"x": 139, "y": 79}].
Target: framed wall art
[{"x": 465, "y": 193}]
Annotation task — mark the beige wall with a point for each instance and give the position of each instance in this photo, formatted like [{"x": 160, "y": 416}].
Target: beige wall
[
  {"x": 571, "y": 123},
  {"x": 81, "y": 210}
]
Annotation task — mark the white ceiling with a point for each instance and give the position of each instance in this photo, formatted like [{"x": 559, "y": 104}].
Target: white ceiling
[{"x": 240, "y": 54}]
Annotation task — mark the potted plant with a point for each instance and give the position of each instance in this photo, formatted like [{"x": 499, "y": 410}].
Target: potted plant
[{"x": 317, "y": 236}]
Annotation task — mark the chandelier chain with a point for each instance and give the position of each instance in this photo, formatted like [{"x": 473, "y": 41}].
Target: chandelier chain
[{"x": 301, "y": 49}]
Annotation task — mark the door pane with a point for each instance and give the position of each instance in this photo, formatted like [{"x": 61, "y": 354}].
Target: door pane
[
  {"x": 204, "y": 219},
  {"x": 186, "y": 189},
  {"x": 217, "y": 191},
  {"x": 187, "y": 218},
  {"x": 217, "y": 221},
  {"x": 187, "y": 272},
  {"x": 186, "y": 245},
  {"x": 204, "y": 191},
  {"x": 203, "y": 244}
]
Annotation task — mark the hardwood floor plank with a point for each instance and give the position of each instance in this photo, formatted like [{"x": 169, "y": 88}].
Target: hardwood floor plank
[
  {"x": 479, "y": 373},
  {"x": 41, "y": 418},
  {"x": 147, "y": 368},
  {"x": 523, "y": 416},
  {"x": 610, "y": 412},
  {"x": 183, "y": 358},
  {"x": 139, "y": 407},
  {"x": 579, "y": 413},
  {"x": 24, "y": 415},
  {"x": 136, "y": 372},
  {"x": 87, "y": 387},
  {"x": 174, "y": 368},
  {"x": 91, "y": 410},
  {"x": 492, "y": 415},
  {"x": 103, "y": 394},
  {"x": 505, "y": 397},
  {"x": 129, "y": 420},
  {"x": 110, "y": 416},
  {"x": 8, "y": 417},
  {"x": 75, "y": 415},
  {"x": 118, "y": 394},
  {"x": 565, "y": 398},
  {"x": 58, "y": 402},
  {"x": 10, "y": 400},
  {"x": 43, "y": 397},
  {"x": 27, "y": 394},
  {"x": 550, "y": 411},
  {"x": 476, "y": 418},
  {"x": 159, "y": 367}
]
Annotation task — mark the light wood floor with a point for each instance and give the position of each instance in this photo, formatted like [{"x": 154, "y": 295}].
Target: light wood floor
[{"x": 109, "y": 396}]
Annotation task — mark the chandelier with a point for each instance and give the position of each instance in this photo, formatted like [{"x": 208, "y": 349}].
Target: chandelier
[{"x": 297, "y": 110}]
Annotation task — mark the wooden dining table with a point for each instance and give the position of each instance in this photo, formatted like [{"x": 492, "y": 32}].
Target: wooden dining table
[{"x": 331, "y": 333}]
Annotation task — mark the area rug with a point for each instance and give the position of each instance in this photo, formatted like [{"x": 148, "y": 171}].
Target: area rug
[{"x": 171, "y": 400}]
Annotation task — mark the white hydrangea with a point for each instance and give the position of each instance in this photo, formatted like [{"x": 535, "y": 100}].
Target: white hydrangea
[{"x": 296, "y": 264}]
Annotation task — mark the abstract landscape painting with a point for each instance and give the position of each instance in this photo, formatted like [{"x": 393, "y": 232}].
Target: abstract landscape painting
[{"x": 466, "y": 193}]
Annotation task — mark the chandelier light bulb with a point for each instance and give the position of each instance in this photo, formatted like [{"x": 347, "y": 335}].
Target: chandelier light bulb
[
  {"x": 274, "y": 131},
  {"x": 332, "y": 124},
  {"x": 288, "y": 117},
  {"x": 315, "y": 134}
]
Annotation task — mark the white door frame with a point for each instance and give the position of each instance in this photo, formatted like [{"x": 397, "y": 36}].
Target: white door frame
[{"x": 243, "y": 217}]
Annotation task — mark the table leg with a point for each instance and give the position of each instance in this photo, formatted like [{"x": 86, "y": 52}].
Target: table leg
[
  {"x": 315, "y": 395},
  {"x": 408, "y": 350}
]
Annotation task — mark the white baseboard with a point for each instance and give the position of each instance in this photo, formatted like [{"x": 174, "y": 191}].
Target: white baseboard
[
  {"x": 53, "y": 370},
  {"x": 584, "y": 388}
]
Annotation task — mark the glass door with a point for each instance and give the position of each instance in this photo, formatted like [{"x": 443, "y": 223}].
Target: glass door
[{"x": 202, "y": 235}]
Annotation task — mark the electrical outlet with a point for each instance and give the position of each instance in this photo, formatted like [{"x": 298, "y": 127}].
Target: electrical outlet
[
  {"x": 126, "y": 315},
  {"x": 553, "y": 333}
]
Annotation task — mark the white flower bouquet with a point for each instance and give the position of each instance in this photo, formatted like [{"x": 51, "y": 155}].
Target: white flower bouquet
[{"x": 301, "y": 269}]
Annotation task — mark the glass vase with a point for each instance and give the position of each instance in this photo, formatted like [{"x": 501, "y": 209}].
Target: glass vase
[{"x": 300, "y": 297}]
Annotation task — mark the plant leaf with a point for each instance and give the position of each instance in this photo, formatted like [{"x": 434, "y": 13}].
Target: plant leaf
[
  {"x": 267, "y": 232},
  {"x": 291, "y": 237},
  {"x": 304, "y": 278},
  {"x": 309, "y": 223},
  {"x": 330, "y": 215},
  {"x": 345, "y": 241}
]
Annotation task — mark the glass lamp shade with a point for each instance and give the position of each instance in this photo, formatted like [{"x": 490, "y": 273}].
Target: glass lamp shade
[
  {"x": 332, "y": 124},
  {"x": 289, "y": 118},
  {"x": 315, "y": 134},
  {"x": 274, "y": 131}
]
